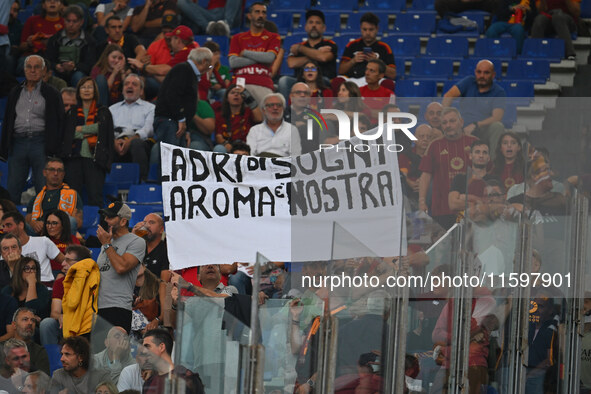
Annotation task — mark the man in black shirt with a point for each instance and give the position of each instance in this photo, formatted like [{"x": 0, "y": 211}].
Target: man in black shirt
[
  {"x": 127, "y": 41},
  {"x": 156, "y": 258},
  {"x": 177, "y": 100},
  {"x": 316, "y": 48},
  {"x": 358, "y": 52},
  {"x": 469, "y": 188}
]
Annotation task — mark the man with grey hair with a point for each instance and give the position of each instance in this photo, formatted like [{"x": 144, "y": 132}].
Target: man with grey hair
[
  {"x": 32, "y": 128},
  {"x": 71, "y": 51},
  {"x": 23, "y": 328},
  {"x": 445, "y": 158},
  {"x": 17, "y": 361},
  {"x": 274, "y": 137},
  {"x": 133, "y": 119},
  {"x": 177, "y": 100}
]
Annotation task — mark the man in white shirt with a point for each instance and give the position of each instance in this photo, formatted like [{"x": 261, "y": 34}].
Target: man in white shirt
[
  {"x": 41, "y": 249},
  {"x": 133, "y": 119},
  {"x": 274, "y": 137}
]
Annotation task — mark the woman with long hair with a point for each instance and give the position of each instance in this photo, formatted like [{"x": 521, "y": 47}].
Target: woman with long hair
[
  {"x": 146, "y": 307},
  {"x": 57, "y": 228},
  {"x": 26, "y": 287},
  {"x": 349, "y": 101},
  {"x": 88, "y": 142},
  {"x": 235, "y": 119},
  {"x": 109, "y": 72},
  {"x": 509, "y": 163},
  {"x": 312, "y": 76}
]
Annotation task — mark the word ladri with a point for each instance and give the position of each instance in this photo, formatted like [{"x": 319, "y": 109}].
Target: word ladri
[
  {"x": 235, "y": 208},
  {"x": 216, "y": 185}
]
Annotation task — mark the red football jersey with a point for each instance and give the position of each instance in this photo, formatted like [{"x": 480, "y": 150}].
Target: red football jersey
[{"x": 258, "y": 73}]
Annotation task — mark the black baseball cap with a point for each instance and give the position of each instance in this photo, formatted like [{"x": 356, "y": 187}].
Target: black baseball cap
[{"x": 317, "y": 13}]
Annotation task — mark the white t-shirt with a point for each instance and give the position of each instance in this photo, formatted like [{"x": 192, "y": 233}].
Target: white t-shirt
[
  {"x": 42, "y": 249},
  {"x": 130, "y": 378},
  {"x": 285, "y": 141}
]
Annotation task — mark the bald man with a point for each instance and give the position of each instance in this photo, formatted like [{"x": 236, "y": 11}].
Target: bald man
[
  {"x": 116, "y": 356},
  {"x": 151, "y": 230},
  {"x": 483, "y": 116},
  {"x": 433, "y": 118},
  {"x": 296, "y": 114}
]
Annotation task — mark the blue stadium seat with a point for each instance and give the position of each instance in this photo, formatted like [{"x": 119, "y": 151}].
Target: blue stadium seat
[
  {"x": 285, "y": 70},
  {"x": 467, "y": 66},
  {"x": 433, "y": 69},
  {"x": 414, "y": 23},
  {"x": 222, "y": 41},
  {"x": 354, "y": 25},
  {"x": 25, "y": 14},
  {"x": 54, "y": 355},
  {"x": 123, "y": 175},
  {"x": 423, "y": 5},
  {"x": 537, "y": 71},
  {"x": 341, "y": 5},
  {"x": 413, "y": 88},
  {"x": 291, "y": 5},
  {"x": 145, "y": 194},
  {"x": 400, "y": 67},
  {"x": 447, "y": 47},
  {"x": 22, "y": 209},
  {"x": 510, "y": 115},
  {"x": 283, "y": 20},
  {"x": 543, "y": 48},
  {"x": 343, "y": 40},
  {"x": 404, "y": 46},
  {"x": 477, "y": 17},
  {"x": 293, "y": 39},
  {"x": 95, "y": 252},
  {"x": 139, "y": 212},
  {"x": 90, "y": 217},
  {"x": 518, "y": 88},
  {"x": 503, "y": 49},
  {"x": 381, "y": 6},
  {"x": 448, "y": 85}
]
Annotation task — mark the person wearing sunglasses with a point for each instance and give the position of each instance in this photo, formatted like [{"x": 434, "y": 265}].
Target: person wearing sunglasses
[
  {"x": 311, "y": 75},
  {"x": 315, "y": 48},
  {"x": 26, "y": 287}
]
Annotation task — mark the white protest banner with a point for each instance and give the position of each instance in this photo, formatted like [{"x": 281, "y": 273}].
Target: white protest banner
[{"x": 221, "y": 208}]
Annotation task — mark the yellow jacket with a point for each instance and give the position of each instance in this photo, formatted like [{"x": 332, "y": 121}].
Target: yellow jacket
[{"x": 80, "y": 299}]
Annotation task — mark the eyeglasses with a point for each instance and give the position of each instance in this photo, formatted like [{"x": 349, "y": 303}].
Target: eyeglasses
[
  {"x": 52, "y": 224},
  {"x": 29, "y": 268},
  {"x": 36, "y": 67},
  {"x": 310, "y": 69},
  {"x": 274, "y": 105},
  {"x": 51, "y": 169}
]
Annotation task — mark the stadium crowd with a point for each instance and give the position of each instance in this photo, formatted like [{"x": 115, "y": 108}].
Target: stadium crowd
[{"x": 110, "y": 85}]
